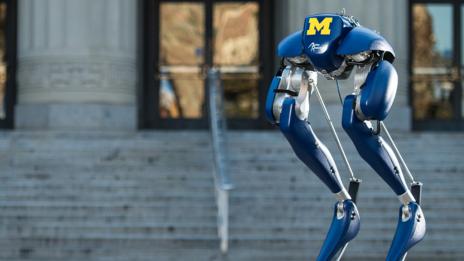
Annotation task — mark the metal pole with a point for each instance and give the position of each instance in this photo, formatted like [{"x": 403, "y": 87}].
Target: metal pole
[
  {"x": 334, "y": 133},
  {"x": 218, "y": 136},
  {"x": 225, "y": 221},
  {"x": 397, "y": 152}
]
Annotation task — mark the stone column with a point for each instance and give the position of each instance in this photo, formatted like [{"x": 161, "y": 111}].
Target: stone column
[{"x": 77, "y": 64}]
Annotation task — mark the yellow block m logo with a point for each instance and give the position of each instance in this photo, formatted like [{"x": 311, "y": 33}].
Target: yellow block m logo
[{"x": 322, "y": 27}]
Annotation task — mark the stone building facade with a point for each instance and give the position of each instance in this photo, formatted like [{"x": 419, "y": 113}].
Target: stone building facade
[
  {"x": 98, "y": 166},
  {"x": 78, "y": 61},
  {"x": 90, "y": 64}
]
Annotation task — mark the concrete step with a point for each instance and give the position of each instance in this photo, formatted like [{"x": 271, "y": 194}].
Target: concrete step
[
  {"x": 149, "y": 195},
  {"x": 36, "y": 249}
]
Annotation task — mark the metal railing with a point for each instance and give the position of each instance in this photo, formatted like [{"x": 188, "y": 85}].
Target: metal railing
[{"x": 218, "y": 128}]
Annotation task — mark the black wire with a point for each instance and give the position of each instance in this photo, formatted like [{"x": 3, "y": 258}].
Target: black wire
[{"x": 339, "y": 94}]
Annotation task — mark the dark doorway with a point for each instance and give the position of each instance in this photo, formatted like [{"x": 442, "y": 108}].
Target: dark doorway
[
  {"x": 8, "y": 25},
  {"x": 183, "y": 39}
]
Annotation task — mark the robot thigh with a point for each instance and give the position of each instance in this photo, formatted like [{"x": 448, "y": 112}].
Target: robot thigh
[{"x": 377, "y": 93}]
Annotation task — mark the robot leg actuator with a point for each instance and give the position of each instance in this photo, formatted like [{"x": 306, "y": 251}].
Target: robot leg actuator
[
  {"x": 373, "y": 102},
  {"x": 287, "y": 101}
]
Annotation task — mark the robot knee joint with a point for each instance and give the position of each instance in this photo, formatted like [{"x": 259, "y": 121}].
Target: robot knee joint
[{"x": 377, "y": 93}]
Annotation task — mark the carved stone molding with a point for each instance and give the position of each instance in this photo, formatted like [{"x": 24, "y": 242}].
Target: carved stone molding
[
  {"x": 55, "y": 77},
  {"x": 69, "y": 47}
]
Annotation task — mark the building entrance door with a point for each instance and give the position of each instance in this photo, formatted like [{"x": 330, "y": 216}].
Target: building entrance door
[{"x": 194, "y": 36}]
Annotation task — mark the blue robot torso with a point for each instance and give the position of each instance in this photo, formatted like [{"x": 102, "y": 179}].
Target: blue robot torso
[
  {"x": 326, "y": 39},
  {"x": 321, "y": 37}
]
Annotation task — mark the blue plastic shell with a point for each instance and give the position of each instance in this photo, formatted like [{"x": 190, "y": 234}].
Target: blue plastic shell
[
  {"x": 361, "y": 39},
  {"x": 341, "y": 231},
  {"x": 379, "y": 91},
  {"x": 322, "y": 48},
  {"x": 408, "y": 233},
  {"x": 372, "y": 148},
  {"x": 307, "y": 146},
  {"x": 270, "y": 99},
  {"x": 291, "y": 46}
]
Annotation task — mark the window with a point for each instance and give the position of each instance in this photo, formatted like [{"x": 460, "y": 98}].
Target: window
[
  {"x": 436, "y": 64},
  {"x": 185, "y": 38}
]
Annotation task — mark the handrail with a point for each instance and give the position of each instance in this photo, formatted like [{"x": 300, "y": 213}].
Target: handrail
[{"x": 218, "y": 129}]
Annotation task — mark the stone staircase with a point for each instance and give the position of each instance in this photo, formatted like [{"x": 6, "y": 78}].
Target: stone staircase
[
  {"x": 294, "y": 209},
  {"x": 149, "y": 196}
]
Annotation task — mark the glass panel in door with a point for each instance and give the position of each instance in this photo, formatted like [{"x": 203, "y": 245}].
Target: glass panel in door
[
  {"x": 236, "y": 53},
  {"x": 434, "y": 77},
  {"x": 181, "y": 57},
  {"x": 3, "y": 65},
  {"x": 462, "y": 60}
]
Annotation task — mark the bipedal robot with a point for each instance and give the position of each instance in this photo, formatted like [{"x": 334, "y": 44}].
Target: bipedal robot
[{"x": 334, "y": 45}]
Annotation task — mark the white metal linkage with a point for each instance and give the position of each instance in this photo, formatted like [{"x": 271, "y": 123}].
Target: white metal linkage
[
  {"x": 342, "y": 252},
  {"x": 397, "y": 151},
  {"x": 218, "y": 128},
  {"x": 334, "y": 132}
]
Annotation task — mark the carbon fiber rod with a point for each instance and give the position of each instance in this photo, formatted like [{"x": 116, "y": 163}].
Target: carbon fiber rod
[{"x": 334, "y": 132}]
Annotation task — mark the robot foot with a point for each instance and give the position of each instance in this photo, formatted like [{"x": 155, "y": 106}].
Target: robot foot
[
  {"x": 345, "y": 226},
  {"x": 410, "y": 231}
]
